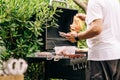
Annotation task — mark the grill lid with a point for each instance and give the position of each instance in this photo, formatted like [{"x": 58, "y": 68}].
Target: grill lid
[{"x": 51, "y": 34}]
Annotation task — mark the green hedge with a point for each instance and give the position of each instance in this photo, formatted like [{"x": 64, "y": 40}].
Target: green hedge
[{"x": 21, "y": 24}]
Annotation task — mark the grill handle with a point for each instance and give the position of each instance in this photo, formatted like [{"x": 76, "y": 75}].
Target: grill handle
[{"x": 61, "y": 1}]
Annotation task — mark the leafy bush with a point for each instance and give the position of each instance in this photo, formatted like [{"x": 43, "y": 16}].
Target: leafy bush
[{"x": 21, "y": 25}]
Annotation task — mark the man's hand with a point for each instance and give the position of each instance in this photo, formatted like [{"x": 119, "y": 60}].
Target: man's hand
[{"x": 71, "y": 36}]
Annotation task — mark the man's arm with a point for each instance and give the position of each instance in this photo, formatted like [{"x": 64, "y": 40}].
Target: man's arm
[{"x": 94, "y": 29}]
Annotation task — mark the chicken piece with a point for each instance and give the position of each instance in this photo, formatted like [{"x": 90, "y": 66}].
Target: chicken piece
[{"x": 77, "y": 24}]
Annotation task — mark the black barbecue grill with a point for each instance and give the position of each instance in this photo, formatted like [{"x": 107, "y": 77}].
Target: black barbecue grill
[
  {"x": 66, "y": 67},
  {"x": 51, "y": 34}
]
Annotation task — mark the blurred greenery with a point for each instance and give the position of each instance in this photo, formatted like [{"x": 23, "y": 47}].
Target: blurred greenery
[{"x": 21, "y": 27}]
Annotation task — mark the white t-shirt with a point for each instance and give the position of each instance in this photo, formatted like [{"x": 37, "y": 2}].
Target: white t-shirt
[{"x": 105, "y": 46}]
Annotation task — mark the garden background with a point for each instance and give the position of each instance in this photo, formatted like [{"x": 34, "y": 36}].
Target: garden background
[{"x": 21, "y": 25}]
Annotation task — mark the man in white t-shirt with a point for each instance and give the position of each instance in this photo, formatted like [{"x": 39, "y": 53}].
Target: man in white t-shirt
[{"x": 103, "y": 39}]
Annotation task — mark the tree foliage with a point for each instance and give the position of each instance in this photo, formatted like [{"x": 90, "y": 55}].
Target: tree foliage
[{"x": 21, "y": 25}]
